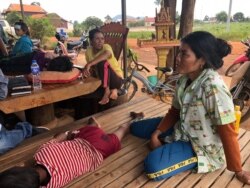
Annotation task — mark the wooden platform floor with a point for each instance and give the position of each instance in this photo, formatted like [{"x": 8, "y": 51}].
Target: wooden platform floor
[{"x": 125, "y": 168}]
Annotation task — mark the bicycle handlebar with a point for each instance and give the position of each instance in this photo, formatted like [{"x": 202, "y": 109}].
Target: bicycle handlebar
[
  {"x": 138, "y": 65},
  {"x": 246, "y": 42}
]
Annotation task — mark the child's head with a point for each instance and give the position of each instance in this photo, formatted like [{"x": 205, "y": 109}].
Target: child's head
[{"x": 19, "y": 177}]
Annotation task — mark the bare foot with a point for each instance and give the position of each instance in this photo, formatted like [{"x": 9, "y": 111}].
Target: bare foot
[
  {"x": 113, "y": 94},
  {"x": 93, "y": 121},
  {"x": 105, "y": 98},
  {"x": 122, "y": 131}
]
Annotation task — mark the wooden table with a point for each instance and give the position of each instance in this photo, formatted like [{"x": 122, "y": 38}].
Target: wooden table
[{"x": 38, "y": 106}]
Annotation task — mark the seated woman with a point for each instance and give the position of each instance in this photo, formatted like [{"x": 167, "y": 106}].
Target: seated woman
[
  {"x": 24, "y": 43},
  {"x": 198, "y": 131},
  {"x": 101, "y": 57}
]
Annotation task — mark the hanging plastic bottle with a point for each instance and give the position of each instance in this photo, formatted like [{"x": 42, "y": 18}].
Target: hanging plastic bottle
[
  {"x": 238, "y": 117},
  {"x": 35, "y": 71}
]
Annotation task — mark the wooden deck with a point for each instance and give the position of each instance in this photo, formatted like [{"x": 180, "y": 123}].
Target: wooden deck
[{"x": 125, "y": 168}]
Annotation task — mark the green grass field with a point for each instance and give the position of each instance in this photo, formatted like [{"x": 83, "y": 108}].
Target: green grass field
[{"x": 238, "y": 31}]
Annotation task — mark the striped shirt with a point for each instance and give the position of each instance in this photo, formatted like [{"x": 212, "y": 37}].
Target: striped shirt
[{"x": 67, "y": 160}]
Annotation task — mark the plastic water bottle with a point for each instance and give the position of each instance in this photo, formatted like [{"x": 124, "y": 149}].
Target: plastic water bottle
[
  {"x": 35, "y": 71},
  {"x": 238, "y": 117}
]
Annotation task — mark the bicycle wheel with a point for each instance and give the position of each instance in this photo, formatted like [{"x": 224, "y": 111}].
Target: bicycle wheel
[
  {"x": 171, "y": 81},
  {"x": 166, "y": 96},
  {"x": 129, "y": 88},
  {"x": 232, "y": 69},
  {"x": 167, "y": 92}
]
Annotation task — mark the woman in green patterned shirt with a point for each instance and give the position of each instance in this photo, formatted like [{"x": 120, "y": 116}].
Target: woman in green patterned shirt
[{"x": 199, "y": 127}]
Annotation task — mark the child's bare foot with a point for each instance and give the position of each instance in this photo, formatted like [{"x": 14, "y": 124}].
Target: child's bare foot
[
  {"x": 93, "y": 121},
  {"x": 105, "y": 98},
  {"x": 113, "y": 94},
  {"x": 122, "y": 131},
  {"x": 125, "y": 128}
]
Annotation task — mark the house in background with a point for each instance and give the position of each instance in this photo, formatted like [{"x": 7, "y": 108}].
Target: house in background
[
  {"x": 149, "y": 21},
  {"x": 29, "y": 10},
  {"x": 36, "y": 11}
]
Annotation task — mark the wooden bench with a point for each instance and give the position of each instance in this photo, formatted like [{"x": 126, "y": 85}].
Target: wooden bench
[{"x": 125, "y": 168}]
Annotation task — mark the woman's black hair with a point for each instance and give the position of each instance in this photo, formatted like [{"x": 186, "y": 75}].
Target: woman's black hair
[
  {"x": 19, "y": 177},
  {"x": 24, "y": 27},
  {"x": 206, "y": 46},
  {"x": 92, "y": 33}
]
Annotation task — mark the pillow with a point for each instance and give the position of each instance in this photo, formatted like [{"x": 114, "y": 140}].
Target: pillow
[{"x": 51, "y": 77}]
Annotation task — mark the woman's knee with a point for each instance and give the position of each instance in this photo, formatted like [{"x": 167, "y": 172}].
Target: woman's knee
[
  {"x": 144, "y": 128},
  {"x": 169, "y": 160}
]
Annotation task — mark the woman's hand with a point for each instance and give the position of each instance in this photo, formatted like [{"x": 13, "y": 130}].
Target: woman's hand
[
  {"x": 86, "y": 70},
  {"x": 243, "y": 176},
  {"x": 155, "y": 141}
]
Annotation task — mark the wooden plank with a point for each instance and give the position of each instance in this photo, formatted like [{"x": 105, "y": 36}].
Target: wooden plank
[
  {"x": 174, "y": 181},
  {"x": 139, "y": 181},
  {"x": 146, "y": 105},
  {"x": 127, "y": 176},
  {"x": 235, "y": 182},
  {"x": 120, "y": 169},
  {"x": 228, "y": 176},
  {"x": 49, "y": 94}
]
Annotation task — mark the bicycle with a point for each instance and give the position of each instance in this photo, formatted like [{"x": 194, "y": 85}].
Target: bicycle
[{"x": 164, "y": 90}]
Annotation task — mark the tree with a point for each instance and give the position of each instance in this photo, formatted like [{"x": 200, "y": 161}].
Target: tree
[
  {"x": 187, "y": 18},
  {"x": 239, "y": 16},
  {"x": 36, "y": 3},
  {"x": 206, "y": 18},
  {"x": 108, "y": 18},
  {"x": 13, "y": 17},
  {"x": 177, "y": 18},
  {"x": 92, "y": 21},
  {"x": 78, "y": 29},
  {"x": 157, "y": 2},
  {"x": 39, "y": 28},
  {"x": 221, "y": 16}
]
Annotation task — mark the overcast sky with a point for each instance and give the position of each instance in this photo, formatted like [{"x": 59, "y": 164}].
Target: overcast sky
[{"x": 80, "y": 9}]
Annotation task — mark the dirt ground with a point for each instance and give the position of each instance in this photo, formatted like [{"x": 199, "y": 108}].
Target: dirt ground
[{"x": 148, "y": 57}]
